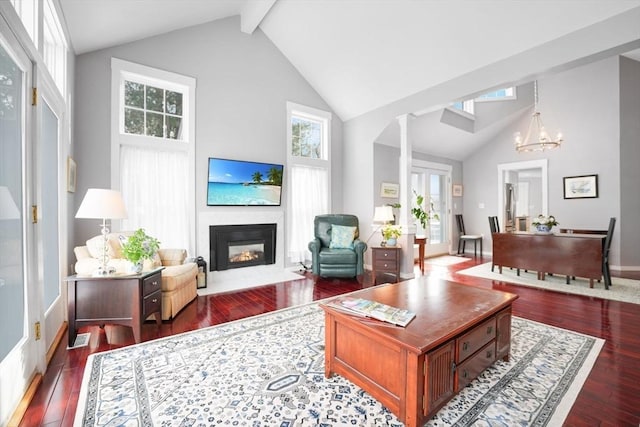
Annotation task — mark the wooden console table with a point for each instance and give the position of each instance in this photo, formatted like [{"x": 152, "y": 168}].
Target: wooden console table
[
  {"x": 120, "y": 300},
  {"x": 458, "y": 332},
  {"x": 569, "y": 254}
]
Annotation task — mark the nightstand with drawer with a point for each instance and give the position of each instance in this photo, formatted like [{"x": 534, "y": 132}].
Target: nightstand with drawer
[
  {"x": 386, "y": 259},
  {"x": 116, "y": 299}
]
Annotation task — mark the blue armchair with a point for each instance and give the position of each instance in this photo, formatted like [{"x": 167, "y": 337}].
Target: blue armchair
[{"x": 333, "y": 254}]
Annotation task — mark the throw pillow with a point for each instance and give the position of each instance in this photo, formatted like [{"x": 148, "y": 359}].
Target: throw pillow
[
  {"x": 95, "y": 245},
  {"x": 342, "y": 237}
]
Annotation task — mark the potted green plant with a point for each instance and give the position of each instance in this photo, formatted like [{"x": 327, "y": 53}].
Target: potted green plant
[
  {"x": 421, "y": 214},
  {"x": 138, "y": 247},
  {"x": 390, "y": 234}
]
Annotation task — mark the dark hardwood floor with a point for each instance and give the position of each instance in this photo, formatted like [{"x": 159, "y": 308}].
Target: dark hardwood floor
[{"x": 610, "y": 396}]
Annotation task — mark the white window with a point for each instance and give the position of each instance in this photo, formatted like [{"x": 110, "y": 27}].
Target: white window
[
  {"x": 308, "y": 159},
  {"x": 466, "y": 106},
  {"x": 151, "y": 110},
  {"x": 28, "y": 12},
  {"x": 507, "y": 93},
  {"x": 153, "y": 160},
  {"x": 54, "y": 50}
]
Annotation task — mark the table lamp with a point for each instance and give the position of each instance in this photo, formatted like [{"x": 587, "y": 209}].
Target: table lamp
[
  {"x": 382, "y": 215},
  {"x": 102, "y": 204}
]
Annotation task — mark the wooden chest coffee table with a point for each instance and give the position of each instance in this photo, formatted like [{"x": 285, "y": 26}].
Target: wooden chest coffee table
[{"x": 458, "y": 332}]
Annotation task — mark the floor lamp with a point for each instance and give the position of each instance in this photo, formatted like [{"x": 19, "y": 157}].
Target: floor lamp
[{"x": 102, "y": 204}]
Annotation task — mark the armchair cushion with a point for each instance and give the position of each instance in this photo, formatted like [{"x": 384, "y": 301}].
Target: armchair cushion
[{"x": 342, "y": 237}]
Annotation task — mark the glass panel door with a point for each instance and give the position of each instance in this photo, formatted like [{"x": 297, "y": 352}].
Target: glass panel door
[
  {"x": 49, "y": 223},
  {"x": 19, "y": 353},
  {"x": 12, "y": 279},
  {"x": 433, "y": 184}
]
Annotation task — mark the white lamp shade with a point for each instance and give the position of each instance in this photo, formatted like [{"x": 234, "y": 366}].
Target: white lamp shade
[
  {"x": 8, "y": 208},
  {"x": 102, "y": 204},
  {"x": 383, "y": 214}
]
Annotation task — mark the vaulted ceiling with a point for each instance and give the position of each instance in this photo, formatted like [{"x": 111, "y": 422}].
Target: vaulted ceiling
[{"x": 359, "y": 55}]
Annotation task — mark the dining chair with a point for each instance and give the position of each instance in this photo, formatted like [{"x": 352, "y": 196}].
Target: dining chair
[
  {"x": 495, "y": 228},
  {"x": 605, "y": 253},
  {"x": 606, "y": 247},
  {"x": 494, "y": 225},
  {"x": 463, "y": 237}
]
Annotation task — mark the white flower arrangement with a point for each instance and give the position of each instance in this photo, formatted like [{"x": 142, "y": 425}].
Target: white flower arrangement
[{"x": 549, "y": 221}]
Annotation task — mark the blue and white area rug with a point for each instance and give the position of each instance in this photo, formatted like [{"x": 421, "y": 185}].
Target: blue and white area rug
[{"x": 268, "y": 370}]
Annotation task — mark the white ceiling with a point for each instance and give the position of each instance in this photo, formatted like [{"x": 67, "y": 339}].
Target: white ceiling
[{"x": 359, "y": 55}]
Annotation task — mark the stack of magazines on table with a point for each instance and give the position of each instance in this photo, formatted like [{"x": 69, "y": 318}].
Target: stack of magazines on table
[{"x": 374, "y": 310}]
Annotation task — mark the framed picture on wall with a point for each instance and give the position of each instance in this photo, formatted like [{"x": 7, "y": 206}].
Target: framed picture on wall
[
  {"x": 580, "y": 187},
  {"x": 457, "y": 190},
  {"x": 389, "y": 190}
]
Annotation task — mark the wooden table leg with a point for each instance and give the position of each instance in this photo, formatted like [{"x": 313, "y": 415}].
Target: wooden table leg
[{"x": 421, "y": 242}]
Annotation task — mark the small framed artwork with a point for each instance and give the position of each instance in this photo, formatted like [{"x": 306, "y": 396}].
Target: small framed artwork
[
  {"x": 389, "y": 190},
  {"x": 457, "y": 190},
  {"x": 580, "y": 187},
  {"x": 71, "y": 175}
]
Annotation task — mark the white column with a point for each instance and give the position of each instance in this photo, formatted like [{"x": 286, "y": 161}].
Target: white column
[{"x": 406, "y": 220}]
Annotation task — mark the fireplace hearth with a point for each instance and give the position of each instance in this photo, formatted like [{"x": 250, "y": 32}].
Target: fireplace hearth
[{"x": 245, "y": 245}]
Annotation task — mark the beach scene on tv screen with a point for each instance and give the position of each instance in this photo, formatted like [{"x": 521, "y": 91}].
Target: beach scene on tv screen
[{"x": 234, "y": 182}]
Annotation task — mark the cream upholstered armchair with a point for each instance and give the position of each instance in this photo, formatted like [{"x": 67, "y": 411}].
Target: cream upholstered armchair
[{"x": 179, "y": 279}]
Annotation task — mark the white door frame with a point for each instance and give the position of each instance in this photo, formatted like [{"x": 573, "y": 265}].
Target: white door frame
[
  {"x": 28, "y": 356},
  {"x": 505, "y": 168},
  {"x": 423, "y": 166}
]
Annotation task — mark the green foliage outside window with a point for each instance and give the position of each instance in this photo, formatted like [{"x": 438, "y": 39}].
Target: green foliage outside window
[
  {"x": 152, "y": 111},
  {"x": 307, "y": 138}
]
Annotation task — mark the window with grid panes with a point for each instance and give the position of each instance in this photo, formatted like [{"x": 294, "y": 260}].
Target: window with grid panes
[{"x": 152, "y": 111}]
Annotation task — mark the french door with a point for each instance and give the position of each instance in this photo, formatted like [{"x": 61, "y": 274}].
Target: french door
[
  {"x": 20, "y": 354},
  {"x": 433, "y": 182}
]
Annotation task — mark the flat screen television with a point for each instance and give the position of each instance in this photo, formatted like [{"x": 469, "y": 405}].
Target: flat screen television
[{"x": 243, "y": 183}]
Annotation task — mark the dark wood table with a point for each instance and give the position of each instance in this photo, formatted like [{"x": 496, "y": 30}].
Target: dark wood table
[
  {"x": 458, "y": 332},
  {"x": 118, "y": 299},
  {"x": 421, "y": 241},
  {"x": 570, "y": 254}
]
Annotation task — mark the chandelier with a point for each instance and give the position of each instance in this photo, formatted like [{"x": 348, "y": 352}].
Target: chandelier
[{"x": 536, "y": 138}]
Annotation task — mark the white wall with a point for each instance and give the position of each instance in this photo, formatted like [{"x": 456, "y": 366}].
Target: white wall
[
  {"x": 243, "y": 84},
  {"x": 584, "y": 104}
]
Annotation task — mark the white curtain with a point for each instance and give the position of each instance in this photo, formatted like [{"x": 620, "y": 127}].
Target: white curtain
[
  {"x": 154, "y": 189},
  {"x": 309, "y": 197}
]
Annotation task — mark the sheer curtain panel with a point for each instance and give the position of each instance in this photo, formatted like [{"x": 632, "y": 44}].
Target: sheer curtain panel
[
  {"x": 154, "y": 188},
  {"x": 309, "y": 195}
]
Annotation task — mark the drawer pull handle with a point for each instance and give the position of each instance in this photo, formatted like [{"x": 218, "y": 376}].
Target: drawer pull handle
[
  {"x": 465, "y": 346},
  {"x": 155, "y": 300},
  {"x": 465, "y": 374},
  {"x": 489, "y": 330},
  {"x": 386, "y": 254},
  {"x": 489, "y": 354},
  {"x": 154, "y": 283}
]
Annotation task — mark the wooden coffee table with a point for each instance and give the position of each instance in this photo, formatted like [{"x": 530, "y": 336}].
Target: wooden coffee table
[{"x": 458, "y": 332}]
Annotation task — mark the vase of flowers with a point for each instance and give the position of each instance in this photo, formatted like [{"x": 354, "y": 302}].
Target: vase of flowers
[
  {"x": 390, "y": 234},
  {"x": 544, "y": 224},
  {"x": 139, "y": 247}
]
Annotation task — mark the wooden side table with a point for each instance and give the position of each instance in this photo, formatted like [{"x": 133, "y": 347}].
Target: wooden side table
[
  {"x": 119, "y": 299},
  {"x": 421, "y": 241},
  {"x": 386, "y": 260}
]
